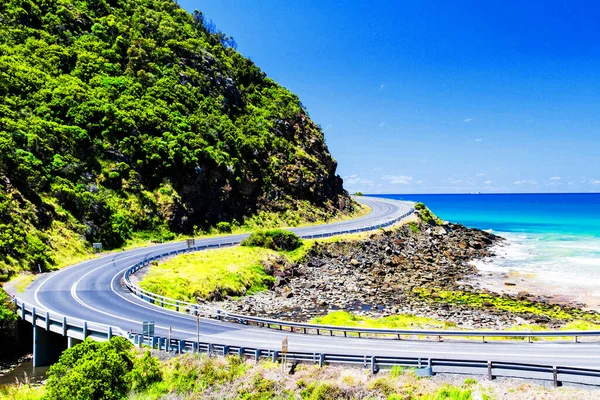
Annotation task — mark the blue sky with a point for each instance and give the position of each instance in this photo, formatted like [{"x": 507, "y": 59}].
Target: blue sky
[{"x": 437, "y": 97}]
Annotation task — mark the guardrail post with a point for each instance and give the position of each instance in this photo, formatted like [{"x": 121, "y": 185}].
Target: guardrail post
[
  {"x": 210, "y": 349},
  {"x": 225, "y": 350},
  {"x": 33, "y": 316},
  {"x": 177, "y": 305},
  {"x": 321, "y": 360},
  {"x": 257, "y": 355},
  {"x": 373, "y": 365},
  {"x": 275, "y": 355},
  {"x": 218, "y": 315},
  {"x": 489, "y": 368},
  {"x": 23, "y": 311},
  {"x": 241, "y": 351},
  {"x": 109, "y": 335},
  {"x": 576, "y": 339},
  {"x": 47, "y": 321},
  {"x": 181, "y": 346},
  {"x": 555, "y": 376},
  {"x": 64, "y": 326},
  {"x": 430, "y": 365},
  {"x": 84, "y": 329}
]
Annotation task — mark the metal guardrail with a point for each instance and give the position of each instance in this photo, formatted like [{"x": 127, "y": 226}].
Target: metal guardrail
[
  {"x": 421, "y": 366},
  {"x": 80, "y": 329},
  {"x": 332, "y": 330}
]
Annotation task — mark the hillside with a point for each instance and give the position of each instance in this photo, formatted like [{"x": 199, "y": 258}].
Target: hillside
[{"x": 121, "y": 117}]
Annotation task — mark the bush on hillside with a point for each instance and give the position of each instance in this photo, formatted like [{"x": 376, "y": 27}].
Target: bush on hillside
[
  {"x": 426, "y": 215},
  {"x": 224, "y": 227},
  {"x": 276, "y": 239}
]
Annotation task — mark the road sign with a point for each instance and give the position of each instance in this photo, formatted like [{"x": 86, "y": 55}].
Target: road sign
[
  {"x": 97, "y": 247},
  {"x": 148, "y": 328},
  {"x": 190, "y": 243},
  {"x": 284, "y": 345}
]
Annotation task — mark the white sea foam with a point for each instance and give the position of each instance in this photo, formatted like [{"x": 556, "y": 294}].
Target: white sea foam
[{"x": 564, "y": 260}]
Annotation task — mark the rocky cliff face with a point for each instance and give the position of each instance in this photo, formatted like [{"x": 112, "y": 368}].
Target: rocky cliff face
[{"x": 126, "y": 116}]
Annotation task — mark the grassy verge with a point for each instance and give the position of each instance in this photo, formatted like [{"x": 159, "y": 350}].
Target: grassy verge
[
  {"x": 210, "y": 274},
  {"x": 409, "y": 321}
]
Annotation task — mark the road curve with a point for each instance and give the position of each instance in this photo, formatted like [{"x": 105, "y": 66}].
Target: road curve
[{"x": 93, "y": 291}]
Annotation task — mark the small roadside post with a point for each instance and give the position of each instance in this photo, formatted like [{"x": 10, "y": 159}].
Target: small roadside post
[
  {"x": 147, "y": 330},
  {"x": 284, "y": 350},
  {"x": 198, "y": 331}
]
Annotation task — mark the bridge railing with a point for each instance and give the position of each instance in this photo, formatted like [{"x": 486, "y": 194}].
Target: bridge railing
[
  {"x": 316, "y": 329},
  {"x": 63, "y": 325}
]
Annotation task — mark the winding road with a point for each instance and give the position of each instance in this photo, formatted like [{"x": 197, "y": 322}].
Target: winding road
[{"x": 93, "y": 291}]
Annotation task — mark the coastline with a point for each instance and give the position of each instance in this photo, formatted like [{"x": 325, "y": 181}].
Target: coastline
[{"x": 526, "y": 283}]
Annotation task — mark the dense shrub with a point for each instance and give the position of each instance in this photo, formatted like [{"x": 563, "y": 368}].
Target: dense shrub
[
  {"x": 276, "y": 239},
  {"x": 426, "y": 215},
  {"x": 108, "y": 370},
  {"x": 224, "y": 227}
]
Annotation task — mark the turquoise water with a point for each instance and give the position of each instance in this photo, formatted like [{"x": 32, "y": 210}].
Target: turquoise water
[{"x": 554, "y": 236}]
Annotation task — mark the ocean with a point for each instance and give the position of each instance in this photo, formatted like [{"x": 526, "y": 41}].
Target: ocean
[{"x": 553, "y": 237}]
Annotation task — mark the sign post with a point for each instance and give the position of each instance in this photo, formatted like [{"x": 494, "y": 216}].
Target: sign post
[
  {"x": 97, "y": 247},
  {"x": 190, "y": 243}
]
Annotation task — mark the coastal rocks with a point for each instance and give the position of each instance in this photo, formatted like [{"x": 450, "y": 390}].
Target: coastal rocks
[{"x": 377, "y": 276}]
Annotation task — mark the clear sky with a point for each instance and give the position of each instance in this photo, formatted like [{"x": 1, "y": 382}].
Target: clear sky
[{"x": 437, "y": 97}]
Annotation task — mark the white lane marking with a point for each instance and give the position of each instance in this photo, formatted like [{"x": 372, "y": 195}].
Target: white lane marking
[
  {"x": 155, "y": 308},
  {"x": 76, "y": 297},
  {"x": 37, "y": 290},
  {"x": 327, "y": 345}
]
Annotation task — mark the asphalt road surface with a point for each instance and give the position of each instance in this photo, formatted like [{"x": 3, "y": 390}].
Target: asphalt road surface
[{"x": 93, "y": 291}]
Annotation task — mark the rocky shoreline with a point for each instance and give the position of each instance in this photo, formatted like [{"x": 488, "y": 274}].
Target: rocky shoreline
[{"x": 378, "y": 276}]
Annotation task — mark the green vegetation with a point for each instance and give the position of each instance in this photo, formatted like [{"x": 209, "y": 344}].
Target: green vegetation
[
  {"x": 358, "y": 194},
  {"x": 211, "y": 274},
  {"x": 109, "y": 370},
  {"x": 400, "y": 321},
  {"x": 414, "y": 227},
  {"x": 115, "y": 370},
  {"x": 277, "y": 239},
  {"x": 426, "y": 215},
  {"x": 484, "y": 300},
  {"x": 130, "y": 119}
]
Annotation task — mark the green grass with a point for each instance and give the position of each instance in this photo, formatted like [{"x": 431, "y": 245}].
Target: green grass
[
  {"x": 494, "y": 301},
  {"x": 400, "y": 321},
  {"x": 22, "y": 392},
  {"x": 232, "y": 271}
]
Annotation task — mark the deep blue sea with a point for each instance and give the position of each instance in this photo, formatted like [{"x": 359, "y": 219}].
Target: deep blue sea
[{"x": 556, "y": 237}]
